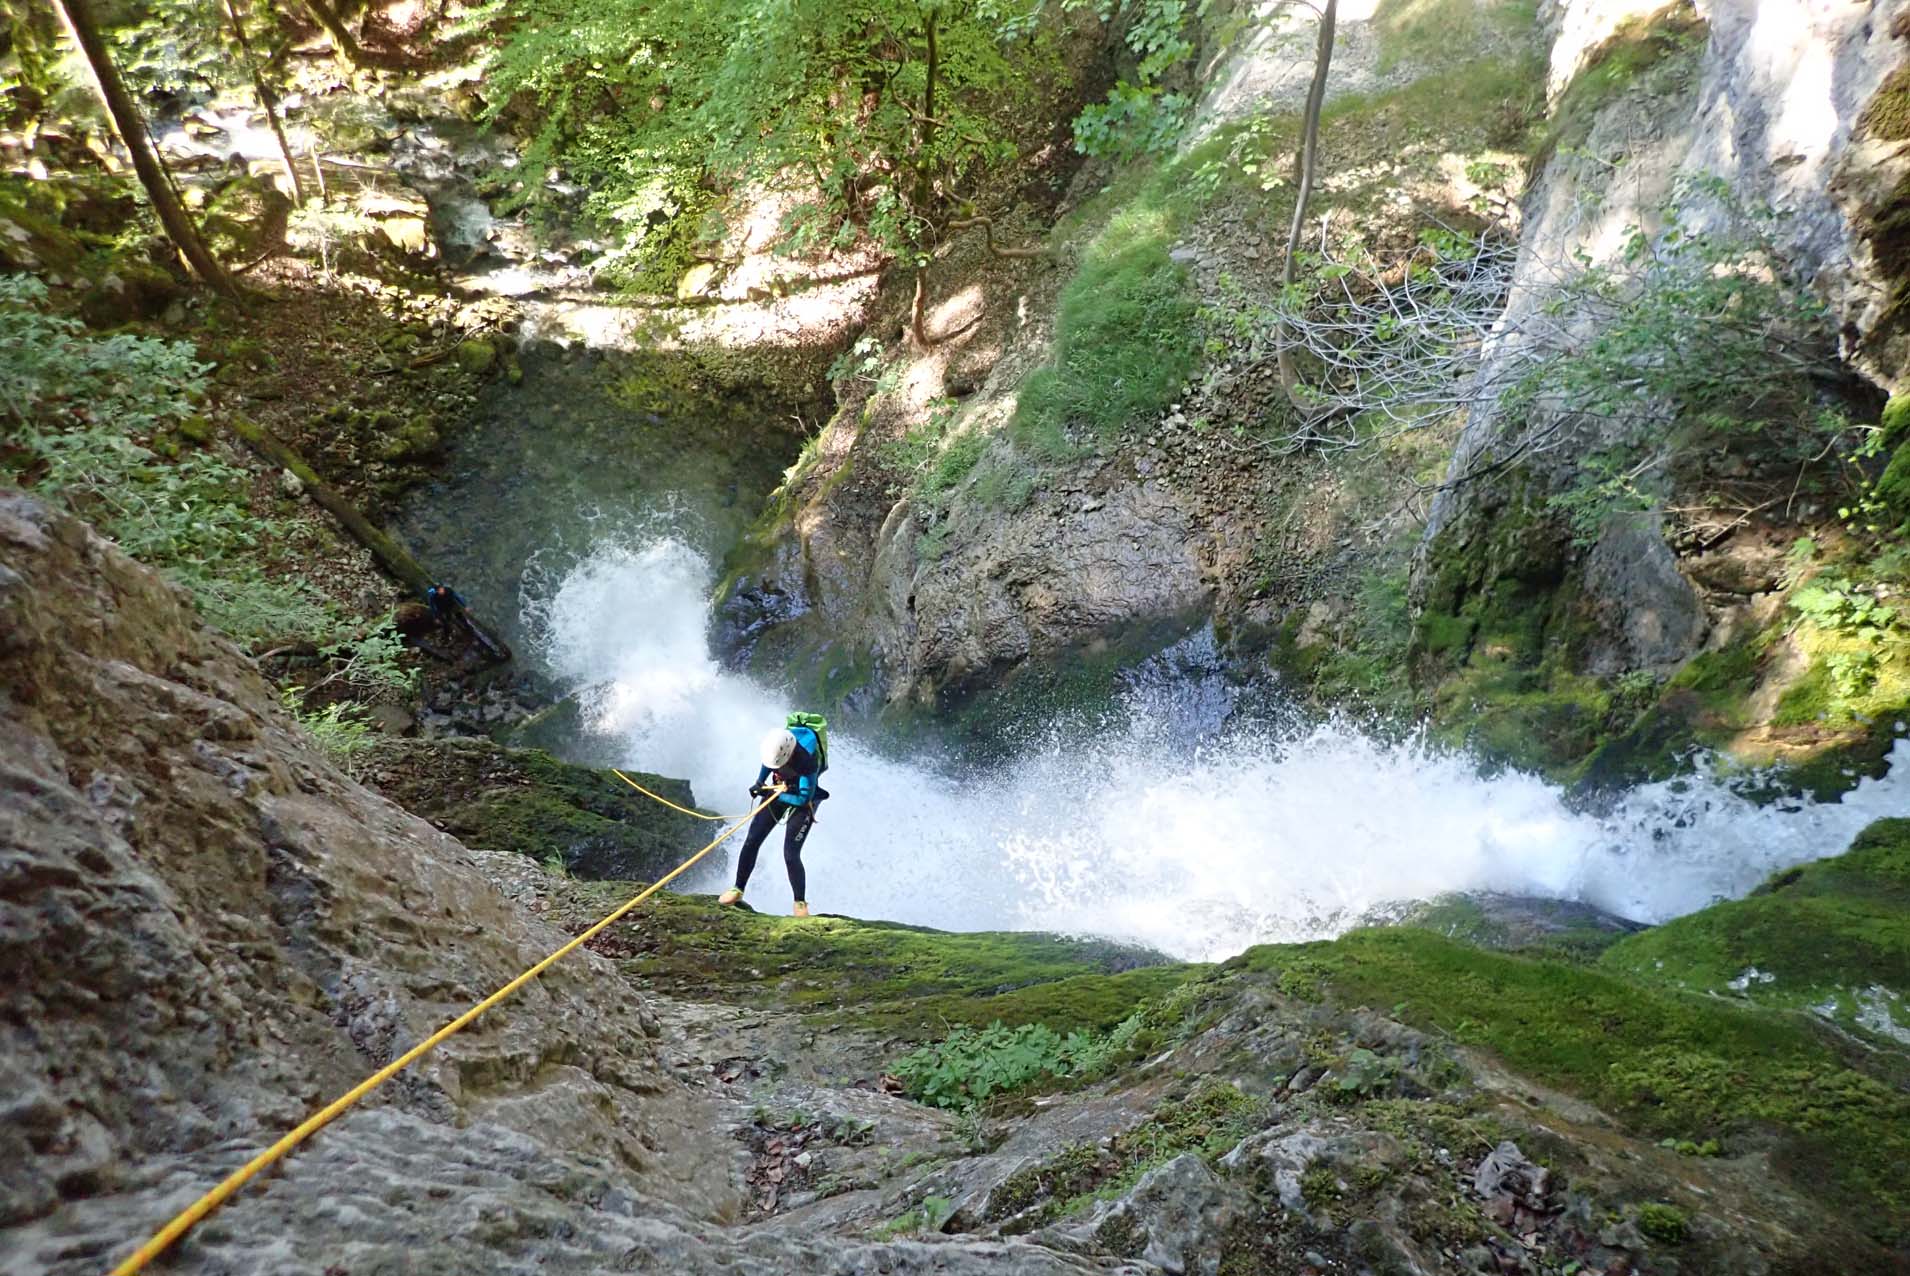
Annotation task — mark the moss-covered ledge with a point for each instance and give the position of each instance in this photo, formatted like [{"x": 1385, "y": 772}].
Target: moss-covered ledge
[
  {"x": 528, "y": 802},
  {"x": 903, "y": 982},
  {"x": 1831, "y": 938},
  {"x": 1832, "y": 1120}
]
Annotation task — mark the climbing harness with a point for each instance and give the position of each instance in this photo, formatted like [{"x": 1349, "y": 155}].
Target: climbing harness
[
  {"x": 701, "y": 815},
  {"x": 212, "y": 1200}
]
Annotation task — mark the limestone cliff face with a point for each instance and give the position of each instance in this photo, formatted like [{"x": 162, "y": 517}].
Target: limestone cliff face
[
  {"x": 206, "y": 930},
  {"x": 1768, "y": 97},
  {"x": 1779, "y": 103}
]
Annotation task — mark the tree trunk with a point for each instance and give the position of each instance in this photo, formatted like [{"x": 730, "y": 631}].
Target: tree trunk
[
  {"x": 344, "y": 44},
  {"x": 131, "y": 127},
  {"x": 268, "y": 101},
  {"x": 1303, "y": 180},
  {"x": 390, "y": 555},
  {"x": 925, "y": 140}
]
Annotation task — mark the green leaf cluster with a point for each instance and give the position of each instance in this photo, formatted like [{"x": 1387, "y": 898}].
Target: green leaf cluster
[
  {"x": 1140, "y": 117},
  {"x": 971, "y": 1064},
  {"x": 340, "y": 729},
  {"x": 877, "y": 114}
]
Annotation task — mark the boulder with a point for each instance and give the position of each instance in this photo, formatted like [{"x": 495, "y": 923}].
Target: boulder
[
  {"x": 475, "y": 355},
  {"x": 1174, "y": 1217},
  {"x": 400, "y": 221}
]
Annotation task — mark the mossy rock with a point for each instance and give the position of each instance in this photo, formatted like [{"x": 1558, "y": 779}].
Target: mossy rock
[
  {"x": 1835, "y": 1122},
  {"x": 33, "y": 235},
  {"x": 475, "y": 356},
  {"x": 1831, "y": 937},
  {"x": 1522, "y": 924},
  {"x": 527, "y": 801},
  {"x": 1892, "y": 487},
  {"x": 416, "y": 438},
  {"x": 1551, "y": 729},
  {"x": 1887, "y": 117},
  {"x": 129, "y": 291}
]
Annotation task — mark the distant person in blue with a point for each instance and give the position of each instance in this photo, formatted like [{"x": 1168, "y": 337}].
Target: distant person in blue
[
  {"x": 448, "y": 608},
  {"x": 794, "y": 756}
]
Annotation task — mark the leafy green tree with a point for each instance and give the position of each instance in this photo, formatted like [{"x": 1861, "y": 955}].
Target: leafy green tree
[{"x": 885, "y": 114}]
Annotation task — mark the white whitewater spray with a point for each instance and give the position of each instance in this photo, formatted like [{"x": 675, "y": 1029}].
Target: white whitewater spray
[{"x": 1196, "y": 851}]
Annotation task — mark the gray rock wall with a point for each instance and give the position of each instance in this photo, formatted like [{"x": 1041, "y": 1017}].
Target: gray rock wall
[{"x": 1771, "y": 104}]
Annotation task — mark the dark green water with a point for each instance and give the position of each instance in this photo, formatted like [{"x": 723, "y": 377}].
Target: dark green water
[{"x": 589, "y": 447}]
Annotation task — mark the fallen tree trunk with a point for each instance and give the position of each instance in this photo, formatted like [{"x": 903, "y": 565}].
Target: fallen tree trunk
[{"x": 390, "y": 555}]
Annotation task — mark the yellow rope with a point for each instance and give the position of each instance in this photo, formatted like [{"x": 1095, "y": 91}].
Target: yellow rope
[
  {"x": 667, "y": 802},
  {"x": 324, "y": 1116}
]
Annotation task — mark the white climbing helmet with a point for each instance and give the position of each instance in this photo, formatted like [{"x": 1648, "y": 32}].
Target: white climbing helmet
[{"x": 778, "y": 745}]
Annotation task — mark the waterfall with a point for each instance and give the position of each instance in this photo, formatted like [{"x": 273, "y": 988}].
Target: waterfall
[{"x": 1162, "y": 830}]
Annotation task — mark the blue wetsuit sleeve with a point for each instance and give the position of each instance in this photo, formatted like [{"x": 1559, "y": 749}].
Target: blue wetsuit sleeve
[{"x": 762, "y": 776}]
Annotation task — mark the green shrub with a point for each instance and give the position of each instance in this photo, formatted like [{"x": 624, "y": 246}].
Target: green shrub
[
  {"x": 1700, "y": 337},
  {"x": 1126, "y": 339},
  {"x": 1662, "y": 1222},
  {"x": 926, "y": 1217},
  {"x": 969, "y": 1064},
  {"x": 340, "y": 729},
  {"x": 84, "y": 414}
]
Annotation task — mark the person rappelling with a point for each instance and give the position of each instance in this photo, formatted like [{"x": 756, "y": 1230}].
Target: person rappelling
[{"x": 794, "y": 756}]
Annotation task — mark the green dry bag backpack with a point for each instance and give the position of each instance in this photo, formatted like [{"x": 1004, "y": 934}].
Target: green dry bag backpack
[{"x": 820, "y": 725}]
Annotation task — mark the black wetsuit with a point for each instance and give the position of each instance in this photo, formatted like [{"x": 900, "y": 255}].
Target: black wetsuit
[{"x": 798, "y": 804}]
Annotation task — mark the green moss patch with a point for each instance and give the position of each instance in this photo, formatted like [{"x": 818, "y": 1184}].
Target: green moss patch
[
  {"x": 1125, "y": 338},
  {"x": 907, "y": 982},
  {"x": 1209, "y": 1121},
  {"x": 1888, "y": 115},
  {"x": 1668, "y": 1064},
  {"x": 1832, "y": 937}
]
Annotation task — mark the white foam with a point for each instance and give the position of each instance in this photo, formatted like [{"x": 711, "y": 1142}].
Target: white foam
[{"x": 1197, "y": 851}]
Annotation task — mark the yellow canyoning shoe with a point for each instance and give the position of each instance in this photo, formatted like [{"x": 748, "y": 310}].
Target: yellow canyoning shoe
[
  {"x": 730, "y": 896},
  {"x": 801, "y": 909}
]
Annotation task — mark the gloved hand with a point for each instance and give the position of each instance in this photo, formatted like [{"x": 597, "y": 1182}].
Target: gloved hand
[{"x": 758, "y": 792}]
